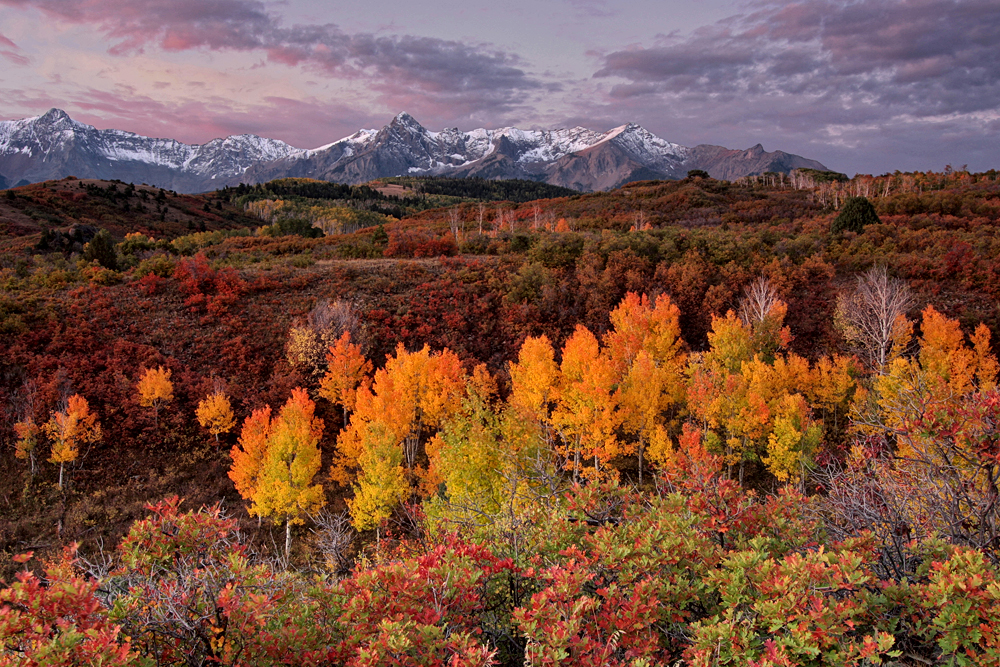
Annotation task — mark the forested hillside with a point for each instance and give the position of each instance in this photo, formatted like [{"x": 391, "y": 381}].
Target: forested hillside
[{"x": 697, "y": 421}]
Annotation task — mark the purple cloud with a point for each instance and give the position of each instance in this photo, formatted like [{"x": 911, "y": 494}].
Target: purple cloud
[
  {"x": 829, "y": 71},
  {"x": 923, "y": 57},
  {"x": 475, "y": 76}
]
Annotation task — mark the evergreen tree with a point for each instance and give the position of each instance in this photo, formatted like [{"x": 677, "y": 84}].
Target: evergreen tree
[{"x": 854, "y": 215}]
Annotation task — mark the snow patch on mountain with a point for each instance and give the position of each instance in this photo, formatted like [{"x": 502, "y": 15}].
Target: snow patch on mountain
[{"x": 55, "y": 133}]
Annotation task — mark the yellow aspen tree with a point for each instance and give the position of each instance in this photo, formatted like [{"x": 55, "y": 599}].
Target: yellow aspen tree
[
  {"x": 381, "y": 484},
  {"x": 643, "y": 397},
  {"x": 215, "y": 413},
  {"x": 69, "y": 429},
  {"x": 831, "y": 387},
  {"x": 793, "y": 440},
  {"x": 717, "y": 392},
  {"x": 346, "y": 368},
  {"x": 534, "y": 379},
  {"x": 470, "y": 457},
  {"x": 27, "y": 432},
  {"x": 155, "y": 389},
  {"x": 284, "y": 488}
]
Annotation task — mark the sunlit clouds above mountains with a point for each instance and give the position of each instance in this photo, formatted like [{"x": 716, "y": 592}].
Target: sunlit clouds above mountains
[{"x": 865, "y": 86}]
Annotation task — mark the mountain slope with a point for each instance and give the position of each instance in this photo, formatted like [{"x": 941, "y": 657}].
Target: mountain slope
[
  {"x": 53, "y": 146},
  {"x": 727, "y": 164}
]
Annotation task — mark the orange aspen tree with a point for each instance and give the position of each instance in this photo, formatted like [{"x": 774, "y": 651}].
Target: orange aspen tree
[
  {"x": 647, "y": 350},
  {"x": 586, "y": 414},
  {"x": 155, "y": 388},
  {"x": 534, "y": 380},
  {"x": 651, "y": 325},
  {"x": 249, "y": 452},
  {"x": 414, "y": 392},
  {"x": 945, "y": 374},
  {"x": 944, "y": 356},
  {"x": 28, "y": 432},
  {"x": 276, "y": 461},
  {"x": 346, "y": 368},
  {"x": 215, "y": 413},
  {"x": 69, "y": 429}
]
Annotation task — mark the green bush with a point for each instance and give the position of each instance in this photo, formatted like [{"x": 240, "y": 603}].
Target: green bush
[
  {"x": 101, "y": 249},
  {"x": 855, "y": 214},
  {"x": 159, "y": 265}
]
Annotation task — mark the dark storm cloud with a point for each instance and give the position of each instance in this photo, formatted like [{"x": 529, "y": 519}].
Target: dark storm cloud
[
  {"x": 403, "y": 67},
  {"x": 919, "y": 57}
]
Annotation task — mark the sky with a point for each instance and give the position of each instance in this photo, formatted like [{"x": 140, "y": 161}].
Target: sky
[{"x": 863, "y": 86}]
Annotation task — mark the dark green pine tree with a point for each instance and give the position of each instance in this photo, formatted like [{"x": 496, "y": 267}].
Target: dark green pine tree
[
  {"x": 101, "y": 249},
  {"x": 854, "y": 215}
]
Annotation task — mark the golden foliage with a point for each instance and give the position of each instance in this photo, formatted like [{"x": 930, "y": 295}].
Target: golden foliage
[
  {"x": 70, "y": 429},
  {"x": 155, "y": 388},
  {"x": 346, "y": 368},
  {"x": 291, "y": 461},
  {"x": 215, "y": 413},
  {"x": 249, "y": 453}
]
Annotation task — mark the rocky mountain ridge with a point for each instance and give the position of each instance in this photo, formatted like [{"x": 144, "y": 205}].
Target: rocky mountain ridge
[{"x": 54, "y": 145}]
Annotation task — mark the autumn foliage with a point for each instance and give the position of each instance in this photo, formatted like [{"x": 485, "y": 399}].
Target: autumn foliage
[{"x": 682, "y": 422}]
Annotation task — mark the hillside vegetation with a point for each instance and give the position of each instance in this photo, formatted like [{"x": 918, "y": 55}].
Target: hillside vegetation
[{"x": 626, "y": 428}]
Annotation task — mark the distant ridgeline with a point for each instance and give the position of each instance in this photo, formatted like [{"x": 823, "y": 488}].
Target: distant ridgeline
[
  {"x": 513, "y": 190},
  {"x": 339, "y": 208}
]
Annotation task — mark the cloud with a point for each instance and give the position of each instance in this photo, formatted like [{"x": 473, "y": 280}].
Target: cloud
[
  {"x": 593, "y": 8},
  {"x": 401, "y": 67},
  {"x": 826, "y": 69},
  {"x": 926, "y": 57},
  {"x": 10, "y": 51},
  {"x": 301, "y": 123}
]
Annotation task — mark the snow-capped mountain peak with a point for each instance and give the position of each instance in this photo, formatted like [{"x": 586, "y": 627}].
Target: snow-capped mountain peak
[{"x": 54, "y": 145}]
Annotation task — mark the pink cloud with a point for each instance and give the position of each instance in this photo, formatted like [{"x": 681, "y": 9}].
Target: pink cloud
[
  {"x": 474, "y": 76},
  {"x": 11, "y": 51},
  {"x": 304, "y": 124}
]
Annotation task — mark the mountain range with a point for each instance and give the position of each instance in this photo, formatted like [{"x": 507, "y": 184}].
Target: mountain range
[{"x": 53, "y": 146}]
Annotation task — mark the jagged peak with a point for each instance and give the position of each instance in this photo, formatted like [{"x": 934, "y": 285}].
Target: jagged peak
[
  {"x": 54, "y": 115},
  {"x": 404, "y": 119}
]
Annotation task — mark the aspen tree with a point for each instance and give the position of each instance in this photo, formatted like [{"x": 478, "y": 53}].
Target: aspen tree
[
  {"x": 284, "y": 487},
  {"x": 215, "y": 413},
  {"x": 69, "y": 429},
  {"x": 155, "y": 388},
  {"x": 346, "y": 368}
]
